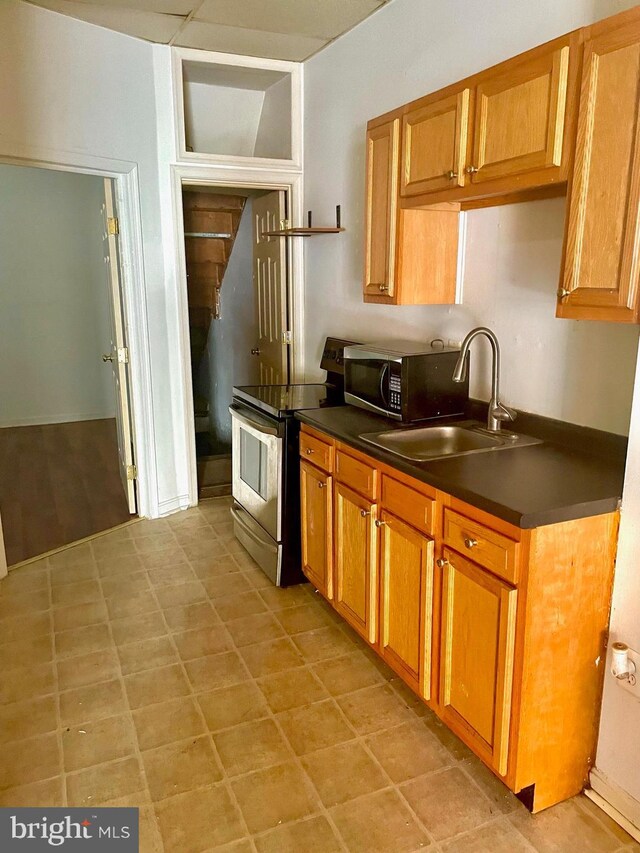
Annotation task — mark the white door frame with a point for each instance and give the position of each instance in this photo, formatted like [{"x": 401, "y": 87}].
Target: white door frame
[
  {"x": 212, "y": 176},
  {"x": 125, "y": 176}
]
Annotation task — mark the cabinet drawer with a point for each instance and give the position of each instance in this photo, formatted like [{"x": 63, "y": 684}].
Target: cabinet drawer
[
  {"x": 316, "y": 451},
  {"x": 406, "y": 503},
  {"x": 484, "y": 546},
  {"x": 357, "y": 475}
]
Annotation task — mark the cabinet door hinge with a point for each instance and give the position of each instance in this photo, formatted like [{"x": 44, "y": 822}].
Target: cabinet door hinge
[
  {"x": 123, "y": 355},
  {"x": 132, "y": 472},
  {"x": 113, "y": 226},
  {"x": 287, "y": 338}
]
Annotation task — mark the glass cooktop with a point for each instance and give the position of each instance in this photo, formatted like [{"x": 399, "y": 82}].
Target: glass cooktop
[{"x": 280, "y": 400}]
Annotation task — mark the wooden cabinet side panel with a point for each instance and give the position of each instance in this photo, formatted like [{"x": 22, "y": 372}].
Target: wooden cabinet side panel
[
  {"x": 427, "y": 262},
  {"x": 561, "y": 648},
  {"x": 317, "y": 527}
]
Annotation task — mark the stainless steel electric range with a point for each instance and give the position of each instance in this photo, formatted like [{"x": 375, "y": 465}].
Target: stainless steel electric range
[{"x": 266, "y": 467}]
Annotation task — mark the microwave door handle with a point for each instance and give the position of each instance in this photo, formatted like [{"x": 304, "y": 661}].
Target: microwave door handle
[
  {"x": 266, "y": 430},
  {"x": 383, "y": 375}
]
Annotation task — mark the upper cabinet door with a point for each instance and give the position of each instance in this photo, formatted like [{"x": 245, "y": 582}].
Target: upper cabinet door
[
  {"x": 520, "y": 116},
  {"x": 434, "y": 145},
  {"x": 381, "y": 208},
  {"x": 602, "y": 246}
]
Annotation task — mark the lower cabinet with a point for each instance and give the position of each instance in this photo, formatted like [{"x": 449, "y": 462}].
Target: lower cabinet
[
  {"x": 477, "y": 656},
  {"x": 406, "y": 601},
  {"x": 316, "y": 506},
  {"x": 356, "y": 561}
]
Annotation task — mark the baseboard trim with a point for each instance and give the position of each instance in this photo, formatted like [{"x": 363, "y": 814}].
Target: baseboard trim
[
  {"x": 616, "y": 802},
  {"x": 46, "y": 420}
]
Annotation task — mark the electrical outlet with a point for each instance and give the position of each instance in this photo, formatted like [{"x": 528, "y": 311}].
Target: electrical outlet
[{"x": 632, "y": 684}]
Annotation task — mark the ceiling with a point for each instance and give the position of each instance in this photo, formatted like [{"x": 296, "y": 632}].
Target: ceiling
[{"x": 277, "y": 29}]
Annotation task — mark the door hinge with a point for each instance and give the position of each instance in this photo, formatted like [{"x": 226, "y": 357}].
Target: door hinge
[
  {"x": 132, "y": 472},
  {"x": 113, "y": 226},
  {"x": 123, "y": 355},
  {"x": 287, "y": 338}
]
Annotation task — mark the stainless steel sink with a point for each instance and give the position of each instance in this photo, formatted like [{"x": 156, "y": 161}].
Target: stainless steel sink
[{"x": 422, "y": 444}]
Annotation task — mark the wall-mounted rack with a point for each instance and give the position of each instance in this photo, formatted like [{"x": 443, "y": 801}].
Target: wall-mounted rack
[
  {"x": 207, "y": 235},
  {"x": 308, "y": 231}
]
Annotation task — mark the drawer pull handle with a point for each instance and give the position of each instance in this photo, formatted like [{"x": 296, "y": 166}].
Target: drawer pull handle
[
  {"x": 379, "y": 523},
  {"x": 441, "y": 563},
  {"x": 309, "y": 451},
  {"x": 470, "y": 543},
  {"x": 365, "y": 512}
]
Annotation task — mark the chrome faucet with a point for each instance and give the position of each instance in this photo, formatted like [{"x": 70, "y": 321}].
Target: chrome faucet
[{"x": 498, "y": 412}]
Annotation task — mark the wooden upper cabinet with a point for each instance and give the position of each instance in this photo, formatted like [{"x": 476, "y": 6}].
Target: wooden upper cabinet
[
  {"x": 435, "y": 135},
  {"x": 383, "y": 142},
  {"x": 602, "y": 244},
  {"x": 476, "y": 657},
  {"x": 520, "y": 110},
  {"x": 316, "y": 527}
]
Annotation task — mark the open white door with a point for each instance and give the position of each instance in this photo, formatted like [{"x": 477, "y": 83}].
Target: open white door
[
  {"x": 270, "y": 287},
  {"x": 118, "y": 356},
  {"x": 3, "y": 555}
]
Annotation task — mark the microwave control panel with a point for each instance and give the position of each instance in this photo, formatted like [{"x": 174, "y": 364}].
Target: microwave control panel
[{"x": 395, "y": 396}]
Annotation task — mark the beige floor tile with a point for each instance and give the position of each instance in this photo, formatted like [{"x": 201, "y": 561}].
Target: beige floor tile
[
  {"x": 106, "y": 783},
  {"x": 147, "y": 654},
  {"x": 124, "y": 586},
  {"x": 213, "y": 547},
  {"x": 602, "y": 817},
  {"x": 154, "y": 542},
  {"x": 291, "y": 689},
  {"x": 91, "y": 703},
  {"x": 106, "y": 548},
  {"x": 216, "y": 671},
  {"x": 232, "y": 706},
  {"x": 277, "y": 598},
  {"x": 21, "y": 720},
  {"x": 200, "y": 537},
  {"x": 214, "y": 567},
  {"x": 82, "y": 641},
  {"x": 243, "y": 846},
  {"x": 273, "y": 796},
  {"x": 323, "y": 643},
  {"x": 303, "y": 617},
  {"x": 274, "y": 656},
  {"x": 172, "y": 574},
  {"x": 141, "y": 602},
  {"x": 135, "y": 628},
  {"x": 30, "y": 602},
  {"x": 236, "y": 606},
  {"x": 72, "y": 556},
  {"x": 25, "y": 682},
  {"x": 81, "y": 592},
  {"x": 252, "y": 746},
  {"x": 36, "y": 625},
  {"x": 343, "y": 772},
  {"x": 408, "y": 751},
  {"x": 315, "y": 727},
  {"x": 447, "y": 802},
  {"x": 156, "y": 685},
  {"x": 501, "y": 797},
  {"x": 149, "y": 832},
  {"x": 202, "y": 641},
  {"x": 498, "y": 837},
  {"x": 346, "y": 674},
  {"x": 313, "y": 835},
  {"x": 168, "y": 557},
  {"x": 30, "y": 760},
  {"x": 97, "y": 742},
  {"x": 88, "y": 669},
  {"x": 79, "y": 616},
  {"x": 111, "y": 566},
  {"x": 451, "y": 742},
  {"x": 229, "y": 584},
  {"x": 72, "y": 574},
  {"x": 190, "y": 616},
  {"x": 565, "y": 828},
  {"x": 257, "y": 628},
  {"x": 166, "y": 722},
  {"x": 147, "y": 527},
  {"x": 180, "y": 767},
  {"x": 379, "y": 823},
  {"x": 199, "y": 820},
  {"x": 410, "y": 700},
  {"x": 180, "y": 593},
  {"x": 26, "y": 651},
  {"x": 373, "y": 709},
  {"x": 254, "y": 575},
  {"x": 20, "y": 582},
  {"x": 46, "y": 794}
]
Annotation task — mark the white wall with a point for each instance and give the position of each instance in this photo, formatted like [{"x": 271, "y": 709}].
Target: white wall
[
  {"x": 405, "y": 50},
  {"x": 74, "y": 89},
  {"x": 273, "y": 138},
  {"x": 54, "y": 306},
  {"x": 562, "y": 368},
  {"x": 222, "y": 119}
]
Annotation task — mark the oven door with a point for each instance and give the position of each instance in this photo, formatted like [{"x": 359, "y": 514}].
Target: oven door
[{"x": 257, "y": 466}]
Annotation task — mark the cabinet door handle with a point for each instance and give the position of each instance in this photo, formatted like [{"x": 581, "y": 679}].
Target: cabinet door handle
[
  {"x": 365, "y": 512},
  {"x": 321, "y": 485},
  {"x": 471, "y": 170},
  {"x": 441, "y": 563},
  {"x": 383, "y": 288},
  {"x": 562, "y": 293},
  {"x": 309, "y": 451},
  {"x": 470, "y": 543},
  {"x": 379, "y": 523},
  {"x": 451, "y": 174}
]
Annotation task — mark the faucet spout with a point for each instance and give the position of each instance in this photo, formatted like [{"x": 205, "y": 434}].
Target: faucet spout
[{"x": 498, "y": 412}]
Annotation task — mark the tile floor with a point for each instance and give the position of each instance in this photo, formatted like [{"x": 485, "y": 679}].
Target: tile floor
[{"x": 157, "y": 667}]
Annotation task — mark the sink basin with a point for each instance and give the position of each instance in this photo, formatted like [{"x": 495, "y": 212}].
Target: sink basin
[{"x": 422, "y": 444}]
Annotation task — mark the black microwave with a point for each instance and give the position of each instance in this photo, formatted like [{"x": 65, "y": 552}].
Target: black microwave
[{"x": 404, "y": 380}]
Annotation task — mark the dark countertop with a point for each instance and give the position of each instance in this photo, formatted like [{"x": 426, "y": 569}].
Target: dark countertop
[{"x": 526, "y": 486}]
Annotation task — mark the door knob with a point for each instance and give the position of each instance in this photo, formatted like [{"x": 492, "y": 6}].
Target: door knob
[
  {"x": 471, "y": 170},
  {"x": 107, "y": 357},
  {"x": 451, "y": 174},
  {"x": 255, "y": 351},
  {"x": 470, "y": 543}
]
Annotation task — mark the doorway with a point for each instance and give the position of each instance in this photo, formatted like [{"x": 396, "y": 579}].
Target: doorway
[
  {"x": 66, "y": 447},
  {"x": 237, "y": 286}
]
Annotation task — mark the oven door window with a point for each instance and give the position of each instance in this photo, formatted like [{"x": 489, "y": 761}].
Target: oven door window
[{"x": 254, "y": 463}]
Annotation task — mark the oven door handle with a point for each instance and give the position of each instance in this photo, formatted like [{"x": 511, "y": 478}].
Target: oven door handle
[
  {"x": 259, "y": 426},
  {"x": 235, "y": 514}
]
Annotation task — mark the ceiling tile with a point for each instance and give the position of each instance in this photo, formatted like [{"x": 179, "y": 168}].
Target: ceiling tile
[
  {"x": 166, "y": 7},
  {"x": 145, "y": 25},
  {"x": 248, "y": 42},
  {"x": 323, "y": 19}
]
